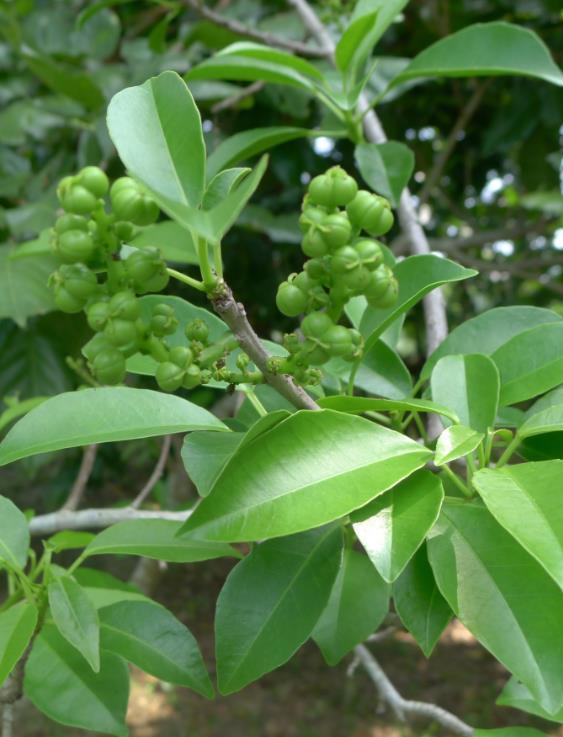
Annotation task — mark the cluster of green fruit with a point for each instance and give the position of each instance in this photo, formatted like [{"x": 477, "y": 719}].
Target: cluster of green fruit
[
  {"x": 342, "y": 264},
  {"x": 96, "y": 277}
]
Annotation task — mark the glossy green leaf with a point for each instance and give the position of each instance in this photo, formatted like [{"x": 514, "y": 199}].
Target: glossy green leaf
[
  {"x": 485, "y": 49},
  {"x": 103, "y": 589},
  {"x": 167, "y": 151},
  {"x": 60, "y": 683},
  {"x": 393, "y": 526},
  {"x": 385, "y": 167},
  {"x": 311, "y": 468},
  {"x": 260, "y": 52},
  {"x": 23, "y": 285},
  {"x": 423, "y": 610},
  {"x": 155, "y": 538},
  {"x": 205, "y": 454},
  {"x": 530, "y": 363},
  {"x": 545, "y": 421},
  {"x": 19, "y": 409},
  {"x": 174, "y": 242},
  {"x": 515, "y": 694},
  {"x": 357, "y": 605},
  {"x": 417, "y": 275},
  {"x": 17, "y": 625},
  {"x": 551, "y": 399},
  {"x": 494, "y": 586},
  {"x": 65, "y": 79},
  {"x": 149, "y": 636},
  {"x": 248, "y": 143},
  {"x": 488, "y": 331},
  {"x": 107, "y": 414},
  {"x": 456, "y": 442},
  {"x": 270, "y": 603},
  {"x": 68, "y": 540},
  {"x": 357, "y": 405},
  {"x": 355, "y": 44},
  {"x": 387, "y": 11},
  {"x": 526, "y": 500},
  {"x": 222, "y": 184},
  {"x": 469, "y": 385},
  {"x": 14, "y": 534},
  {"x": 510, "y": 732},
  {"x": 382, "y": 372},
  {"x": 76, "y": 618}
]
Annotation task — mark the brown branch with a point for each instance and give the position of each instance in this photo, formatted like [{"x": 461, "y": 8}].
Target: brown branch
[
  {"x": 84, "y": 473},
  {"x": 467, "y": 112},
  {"x": 241, "y": 29},
  {"x": 234, "y": 314},
  {"x": 234, "y": 100},
  {"x": 155, "y": 476}
]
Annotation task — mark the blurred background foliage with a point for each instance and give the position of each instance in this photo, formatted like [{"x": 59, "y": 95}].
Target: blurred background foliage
[{"x": 487, "y": 176}]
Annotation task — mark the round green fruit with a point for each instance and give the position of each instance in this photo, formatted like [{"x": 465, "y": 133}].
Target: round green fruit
[
  {"x": 338, "y": 340},
  {"x": 314, "y": 243},
  {"x": 311, "y": 217},
  {"x": 135, "y": 206},
  {"x": 97, "y": 315},
  {"x": 290, "y": 300},
  {"x": 70, "y": 222},
  {"x": 357, "y": 279},
  {"x": 79, "y": 200},
  {"x": 333, "y": 189},
  {"x": 344, "y": 259},
  {"x": 121, "y": 333},
  {"x": 316, "y": 324},
  {"x": 197, "y": 330},
  {"x": 370, "y": 212},
  {"x": 314, "y": 353},
  {"x": 124, "y": 230},
  {"x": 316, "y": 269},
  {"x": 193, "y": 376},
  {"x": 181, "y": 356},
  {"x": 75, "y": 246},
  {"x": 389, "y": 297},
  {"x": 370, "y": 253},
  {"x": 66, "y": 302},
  {"x": 94, "y": 180},
  {"x": 169, "y": 376},
  {"x": 336, "y": 230},
  {"x": 378, "y": 283},
  {"x": 78, "y": 281},
  {"x": 125, "y": 305},
  {"x": 108, "y": 366}
]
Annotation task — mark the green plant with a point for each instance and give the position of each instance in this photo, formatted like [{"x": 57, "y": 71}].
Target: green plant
[{"x": 471, "y": 535}]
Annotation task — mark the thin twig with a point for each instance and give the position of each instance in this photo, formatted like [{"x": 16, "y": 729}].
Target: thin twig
[
  {"x": 481, "y": 238},
  {"x": 96, "y": 519},
  {"x": 234, "y": 100},
  {"x": 154, "y": 478},
  {"x": 403, "y": 708},
  {"x": 465, "y": 115},
  {"x": 7, "y": 720},
  {"x": 234, "y": 314},
  {"x": 84, "y": 473},
  {"x": 269, "y": 39}
]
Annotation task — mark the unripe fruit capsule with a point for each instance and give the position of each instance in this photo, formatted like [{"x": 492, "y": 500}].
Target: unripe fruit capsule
[
  {"x": 94, "y": 180},
  {"x": 78, "y": 200},
  {"x": 75, "y": 246},
  {"x": 290, "y": 300},
  {"x": 169, "y": 376},
  {"x": 108, "y": 366},
  {"x": 316, "y": 324}
]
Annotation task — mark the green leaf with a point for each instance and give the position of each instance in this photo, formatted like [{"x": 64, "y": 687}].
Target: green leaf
[
  {"x": 510, "y": 732},
  {"x": 18, "y": 409},
  {"x": 358, "y": 603},
  {"x": 270, "y": 603},
  {"x": 311, "y": 468},
  {"x": 65, "y": 79},
  {"x": 156, "y": 128},
  {"x": 157, "y": 539},
  {"x": 14, "y": 534},
  {"x": 421, "y": 607},
  {"x": 355, "y": 45},
  {"x": 494, "y": 586},
  {"x": 103, "y": 589},
  {"x": 205, "y": 454},
  {"x": 393, "y": 526},
  {"x": 17, "y": 625},
  {"x": 530, "y": 363},
  {"x": 357, "y": 405},
  {"x": 456, "y": 442},
  {"x": 285, "y": 59},
  {"x": 387, "y": 11},
  {"x": 488, "y": 331},
  {"x": 485, "y": 49},
  {"x": 515, "y": 694},
  {"x": 108, "y": 414},
  {"x": 469, "y": 385},
  {"x": 23, "y": 285},
  {"x": 76, "y": 618},
  {"x": 149, "y": 636},
  {"x": 547, "y": 421},
  {"x": 248, "y": 143},
  {"x": 551, "y": 399},
  {"x": 382, "y": 372},
  {"x": 222, "y": 184},
  {"x": 385, "y": 167},
  {"x": 417, "y": 275},
  {"x": 68, "y": 540},
  {"x": 61, "y": 684},
  {"x": 524, "y": 499},
  {"x": 173, "y": 241}
]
